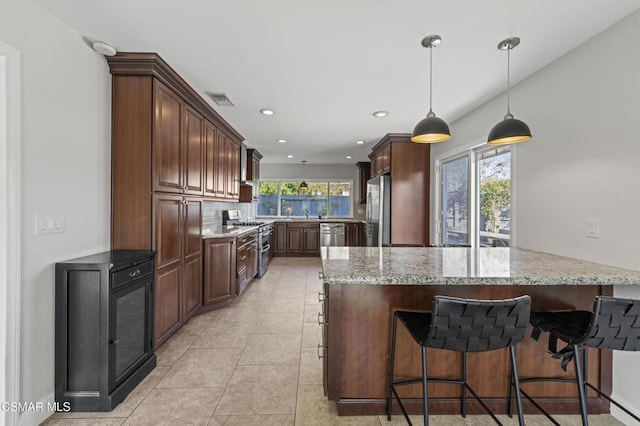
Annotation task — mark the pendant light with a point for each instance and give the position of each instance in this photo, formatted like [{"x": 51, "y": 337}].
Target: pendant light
[
  {"x": 509, "y": 130},
  {"x": 431, "y": 129},
  {"x": 303, "y": 185}
]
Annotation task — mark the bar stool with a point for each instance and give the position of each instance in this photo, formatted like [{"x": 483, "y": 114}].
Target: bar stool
[
  {"x": 614, "y": 324},
  {"x": 462, "y": 325}
]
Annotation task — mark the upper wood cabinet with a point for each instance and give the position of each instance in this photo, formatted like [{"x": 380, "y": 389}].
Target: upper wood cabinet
[
  {"x": 167, "y": 170},
  {"x": 249, "y": 193},
  {"x": 193, "y": 149},
  {"x": 364, "y": 174},
  {"x": 409, "y": 166}
]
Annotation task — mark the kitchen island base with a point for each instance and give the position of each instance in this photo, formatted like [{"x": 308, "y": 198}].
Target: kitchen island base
[{"x": 357, "y": 333}]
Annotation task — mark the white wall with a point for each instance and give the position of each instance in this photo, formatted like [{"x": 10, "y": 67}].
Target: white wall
[
  {"x": 3, "y": 231},
  {"x": 583, "y": 161},
  {"x": 65, "y": 169},
  {"x": 316, "y": 171}
]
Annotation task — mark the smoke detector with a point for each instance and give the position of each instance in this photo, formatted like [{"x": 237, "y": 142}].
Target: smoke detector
[
  {"x": 220, "y": 99},
  {"x": 104, "y": 48}
]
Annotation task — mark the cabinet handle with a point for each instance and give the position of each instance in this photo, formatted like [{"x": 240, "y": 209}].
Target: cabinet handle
[
  {"x": 320, "y": 321},
  {"x": 320, "y": 297},
  {"x": 243, "y": 258},
  {"x": 134, "y": 273},
  {"x": 320, "y": 351},
  {"x": 115, "y": 341},
  {"x": 320, "y": 275},
  {"x": 185, "y": 187}
]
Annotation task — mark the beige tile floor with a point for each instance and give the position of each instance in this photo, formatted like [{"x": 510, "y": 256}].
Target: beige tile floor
[{"x": 253, "y": 363}]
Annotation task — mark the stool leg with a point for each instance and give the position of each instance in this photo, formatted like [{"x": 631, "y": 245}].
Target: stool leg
[
  {"x": 580, "y": 383},
  {"x": 424, "y": 386},
  {"x": 391, "y": 364},
  {"x": 464, "y": 384},
  {"x": 511, "y": 385},
  {"x": 516, "y": 382}
]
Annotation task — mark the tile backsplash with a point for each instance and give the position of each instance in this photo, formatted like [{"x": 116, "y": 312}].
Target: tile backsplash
[{"x": 212, "y": 212}]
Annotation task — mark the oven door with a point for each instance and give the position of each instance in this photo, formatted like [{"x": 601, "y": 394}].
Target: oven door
[{"x": 263, "y": 256}]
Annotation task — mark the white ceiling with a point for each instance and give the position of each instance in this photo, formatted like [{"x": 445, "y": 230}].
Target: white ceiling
[{"x": 324, "y": 66}]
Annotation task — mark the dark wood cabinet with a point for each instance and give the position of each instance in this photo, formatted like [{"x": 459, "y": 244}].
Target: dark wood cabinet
[
  {"x": 103, "y": 328},
  {"x": 193, "y": 148},
  {"x": 354, "y": 234},
  {"x": 250, "y": 192},
  {"x": 169, "y": 150},
  {"x": 364, "y": 174},
  {"x": 409, "y": 166},
  {"x": 380, "y": 160},
  {"x": 302, "y": 238},
  {"x": 219, "y": 271},
  {"x": 280, "y": 238},
  {"x": 167, "y": 171},
  {"x": 247, "y": 259},
  {"x": 192, "y": 258}
]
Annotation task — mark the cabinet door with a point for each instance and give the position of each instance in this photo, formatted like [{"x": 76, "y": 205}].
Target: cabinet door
[
  {"x": 221, "y": 163},
  {"x": 295, "y": 240},
  {"x": 219, "y": 270},
  {"x": 351, "y": 235},
  {"x": 193, "y": 151},
  {"x": 233, "y": 169},
  {"x": 210, "y": 159},
  {"x": 312, "y": 240},
  {"x": 192, "y": 282},
  {"x": 167, "y": 133},
  {"x": 364, "y": 174},
  {"x": 386, "y": 159},
  {"x": 280, "y": 238},
  {"x": 167, "y": 215}
]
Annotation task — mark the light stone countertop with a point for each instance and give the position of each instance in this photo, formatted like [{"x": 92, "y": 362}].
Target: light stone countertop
[
  {"x": 225, "y": 231},
  {"x": 463, "y": 266}
]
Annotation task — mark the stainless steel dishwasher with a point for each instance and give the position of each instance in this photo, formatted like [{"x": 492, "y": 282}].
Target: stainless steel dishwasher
[{"x": 332, "y": 234}]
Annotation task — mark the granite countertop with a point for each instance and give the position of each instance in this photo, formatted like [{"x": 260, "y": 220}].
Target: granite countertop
[
  {"x": 225, "y": 231},
  {"x": 463, "y": 266}
]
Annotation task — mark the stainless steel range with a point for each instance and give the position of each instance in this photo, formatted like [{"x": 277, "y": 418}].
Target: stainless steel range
[{"x": 265, "y": 229}]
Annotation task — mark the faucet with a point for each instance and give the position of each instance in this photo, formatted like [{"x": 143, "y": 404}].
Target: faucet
[{"x": 306, "y": 213}]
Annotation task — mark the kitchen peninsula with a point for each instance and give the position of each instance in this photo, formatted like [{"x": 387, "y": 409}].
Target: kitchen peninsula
[{"x": 364, "y": 285}]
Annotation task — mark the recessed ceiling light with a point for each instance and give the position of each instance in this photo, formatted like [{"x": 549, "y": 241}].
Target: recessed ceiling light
[
  {"x": 281, "y": 140},
  {"x": 289, "y": 156},
  {"x": 359, "y": 142},
  {"x": 349, "y": 156},
  {"x": 265, "y": 111},
  {"x": 380, "y": 114}
]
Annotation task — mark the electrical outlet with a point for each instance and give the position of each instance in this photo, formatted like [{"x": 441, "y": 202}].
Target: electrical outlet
[{"x": 592, "y": 228}]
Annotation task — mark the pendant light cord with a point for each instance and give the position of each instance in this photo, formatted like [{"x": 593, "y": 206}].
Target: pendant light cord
[
  {"x": 508, "y": 81},
  {"x": 430, "y": 78}
]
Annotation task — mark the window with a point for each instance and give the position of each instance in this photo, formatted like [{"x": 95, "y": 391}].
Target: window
[
  {"x": 285, "y": 198},
  {"x": 475, "y": 198}
]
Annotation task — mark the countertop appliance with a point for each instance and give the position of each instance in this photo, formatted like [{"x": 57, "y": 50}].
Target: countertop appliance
[
  {"x": 265, "y": 228},
  {"x": 378, "y": 227},
  {"x": 331, "y": 234}
]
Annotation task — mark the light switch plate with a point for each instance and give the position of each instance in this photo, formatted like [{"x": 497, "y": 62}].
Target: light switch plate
[
  {"x": 49, "y": 223},
  {"x": 592, "y": 228}
]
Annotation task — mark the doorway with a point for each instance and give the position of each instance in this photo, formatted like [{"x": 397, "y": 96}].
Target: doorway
[{"x": 9, "y": 229}]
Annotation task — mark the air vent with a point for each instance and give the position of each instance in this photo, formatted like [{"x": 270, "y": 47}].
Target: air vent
[{"x": 220, "y": 99}]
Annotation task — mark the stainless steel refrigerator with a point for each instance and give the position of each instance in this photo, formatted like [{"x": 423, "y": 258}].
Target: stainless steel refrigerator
[{"x": 379, "y": 211}]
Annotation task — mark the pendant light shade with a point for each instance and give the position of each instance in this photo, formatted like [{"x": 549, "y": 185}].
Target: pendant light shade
[
  {"x": 509, "y": 130},
  {"x": 303, "y": 185},
  {"x": 431, "y": 129}
]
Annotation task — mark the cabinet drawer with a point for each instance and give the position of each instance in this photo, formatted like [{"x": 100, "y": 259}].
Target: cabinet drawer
[
  {"x": 247, "y": 239},
  {"x": 125, "y": 276}
]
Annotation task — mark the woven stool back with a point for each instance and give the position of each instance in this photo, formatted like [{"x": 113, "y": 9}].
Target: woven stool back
[
  {"x": 615, "y": 324},
  {"x": 478, "y": 325}
]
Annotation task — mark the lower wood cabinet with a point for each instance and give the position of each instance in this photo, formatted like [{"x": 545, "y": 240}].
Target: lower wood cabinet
[
  {"x": 280, "y": 238},
  {"x": 354, "y": 234},
  {"x": 303, "y": 238},
  {"x": 247, "y": 259},
  {"x": 219, "y": 270}
]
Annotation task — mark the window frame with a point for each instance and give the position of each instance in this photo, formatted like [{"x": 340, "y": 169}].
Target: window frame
[
  {"x": 296, "y": 179},
  {"x": 474, "y": 151}
]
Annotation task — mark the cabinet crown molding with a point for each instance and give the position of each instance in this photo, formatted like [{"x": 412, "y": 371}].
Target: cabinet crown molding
[{"x": 151, "y": 64}]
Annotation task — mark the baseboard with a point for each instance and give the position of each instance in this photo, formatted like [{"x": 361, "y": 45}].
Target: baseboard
[
  {"x": 37, "y": 416},
  {"x": 621, "y": 415}
]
